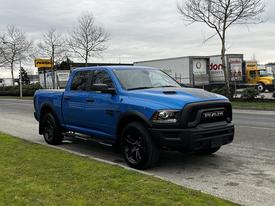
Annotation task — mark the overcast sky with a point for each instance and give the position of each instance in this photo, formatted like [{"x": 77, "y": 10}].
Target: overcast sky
[{"x": 141, "y": 30}]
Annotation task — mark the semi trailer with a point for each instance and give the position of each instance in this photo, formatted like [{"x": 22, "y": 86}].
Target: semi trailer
[
  {"x": 207, "y": 71},
  {"x": 191, "y": 70}
]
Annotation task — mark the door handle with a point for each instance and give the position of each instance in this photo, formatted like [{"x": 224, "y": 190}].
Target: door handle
[
  {"x": 67, "y": 98},
  {"x": 90, "y": 100}
]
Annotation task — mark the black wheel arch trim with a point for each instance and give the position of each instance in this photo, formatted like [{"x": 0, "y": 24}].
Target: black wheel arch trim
[
  {"x": 128, "y": 115},
  {"x": 52, "y": 111},
  {"x": 134, "y": 114}
]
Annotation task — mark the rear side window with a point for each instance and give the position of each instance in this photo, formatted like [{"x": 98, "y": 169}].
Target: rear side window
[
  {"x": 80, "y": 81},
  {"x": 102, "y": 77}
]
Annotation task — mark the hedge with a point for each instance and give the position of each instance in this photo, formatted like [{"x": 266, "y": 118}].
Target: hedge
[{"x": 28, "y": 90}]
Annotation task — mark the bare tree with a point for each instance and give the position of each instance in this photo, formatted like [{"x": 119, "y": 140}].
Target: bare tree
[
  {"x": 14, "y": 47},
  {"x": 219, "y": 15},
  {"x": 87, "y": 39},
  {"x": 53, "y": 45}
]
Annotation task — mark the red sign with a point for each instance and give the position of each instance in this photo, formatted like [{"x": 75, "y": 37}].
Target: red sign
[{"x": 215, "y": 66}]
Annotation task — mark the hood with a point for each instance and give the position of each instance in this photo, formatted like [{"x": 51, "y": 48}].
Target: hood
[
  {"x": 267, "y": 78},
  {"x": 175, "y": 98}
]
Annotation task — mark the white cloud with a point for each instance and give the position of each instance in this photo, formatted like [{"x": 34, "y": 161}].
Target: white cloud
[{"x": 140, "y": 30}]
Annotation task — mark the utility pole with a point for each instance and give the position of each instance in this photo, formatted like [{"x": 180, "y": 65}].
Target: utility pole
[
  {"x": 45, "y": 79},
  {"x": 53, "y": 72},
  {"x": 20, "y": 80}
]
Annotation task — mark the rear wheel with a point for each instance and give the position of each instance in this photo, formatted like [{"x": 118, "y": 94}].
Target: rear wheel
[
  {"x": 207, "y": 151},
  {"x": 138, "y": 148},
  {"x": 51, "y": 130}
]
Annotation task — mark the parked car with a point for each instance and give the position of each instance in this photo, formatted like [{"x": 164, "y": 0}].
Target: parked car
[{"x": 139, "y": 110}]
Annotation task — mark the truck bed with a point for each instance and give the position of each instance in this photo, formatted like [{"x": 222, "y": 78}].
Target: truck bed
[{"x": 51, "y": 97}]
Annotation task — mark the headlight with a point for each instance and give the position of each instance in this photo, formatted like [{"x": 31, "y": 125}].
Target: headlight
[{"x": 166, "y": 117}]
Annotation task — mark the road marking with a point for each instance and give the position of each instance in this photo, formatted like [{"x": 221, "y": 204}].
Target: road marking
[{"x": 254, "y": 127}]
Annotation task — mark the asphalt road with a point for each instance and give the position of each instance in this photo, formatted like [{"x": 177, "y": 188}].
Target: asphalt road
[{"x": 243, "y": 172}]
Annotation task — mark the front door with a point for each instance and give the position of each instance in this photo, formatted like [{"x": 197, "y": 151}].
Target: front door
[{"x": 103, "y": 109}]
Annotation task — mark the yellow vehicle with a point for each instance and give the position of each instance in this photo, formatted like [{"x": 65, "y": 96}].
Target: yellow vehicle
[{"x": 255, "y": 75}]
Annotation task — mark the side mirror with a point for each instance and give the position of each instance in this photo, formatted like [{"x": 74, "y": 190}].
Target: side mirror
[{"x": 103, "y": 88}]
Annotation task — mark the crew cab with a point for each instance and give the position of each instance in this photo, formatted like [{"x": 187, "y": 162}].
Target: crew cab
[{"x": 138, "y": 110}]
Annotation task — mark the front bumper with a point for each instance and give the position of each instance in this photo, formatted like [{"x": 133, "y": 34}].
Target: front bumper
[
  {"x": 35, "y": 116},
  {"x": 203, "y": 136}
]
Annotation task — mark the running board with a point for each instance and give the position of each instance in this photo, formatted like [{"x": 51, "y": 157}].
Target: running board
[{"x": 86, "y": 138}]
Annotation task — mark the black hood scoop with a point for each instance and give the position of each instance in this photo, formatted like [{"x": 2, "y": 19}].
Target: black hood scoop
[{"x": 169, "y": 92}]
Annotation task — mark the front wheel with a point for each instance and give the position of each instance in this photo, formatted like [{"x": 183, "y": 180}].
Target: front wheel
[
  {"x": 138, "y": 148},
  {"x": 207, "y": 151},
  {"x": 51, "y": 130},
  {"x": 261, "y": 87}
]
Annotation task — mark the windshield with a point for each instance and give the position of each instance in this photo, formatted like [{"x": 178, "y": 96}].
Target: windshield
[
  {"x": 132, "y": 79},
  {"x": 264, "y": 73}
]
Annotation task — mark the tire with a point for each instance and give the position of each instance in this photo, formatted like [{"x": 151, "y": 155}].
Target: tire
[
  {"x": 51, "y": 130},
  {"x": 207, "y": 151},
  {"x": 137, "y": 146},
  {"x": 261, "y": 87}
]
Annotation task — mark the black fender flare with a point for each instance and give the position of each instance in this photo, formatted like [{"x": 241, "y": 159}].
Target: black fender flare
[
  {"x": 51, "y": 109},
  {"x": 135, "y": 114},
  {"x": 132, "y": 116}
]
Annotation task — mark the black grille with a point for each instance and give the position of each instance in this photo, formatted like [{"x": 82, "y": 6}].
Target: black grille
[
  {"x": 194, "y": 114},
  {"x": 213, "y": 115}
]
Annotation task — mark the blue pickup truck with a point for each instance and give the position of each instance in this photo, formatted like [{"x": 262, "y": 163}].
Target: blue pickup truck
[{"x": 138, "y": 110}]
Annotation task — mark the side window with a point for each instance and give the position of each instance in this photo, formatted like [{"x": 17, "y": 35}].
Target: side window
[
  {"x": 252, "y": 74},
  {"x": 102, "y": 77},
  {"x": 80, "y": 81}
]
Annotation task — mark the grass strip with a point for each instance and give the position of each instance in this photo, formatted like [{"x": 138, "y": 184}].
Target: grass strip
[
  {"x": 254, "y": 105},
  {"x": 33, "y": 174}
]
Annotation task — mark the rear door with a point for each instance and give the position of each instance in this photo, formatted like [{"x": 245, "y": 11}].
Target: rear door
[{"x": 75, "y": 100}]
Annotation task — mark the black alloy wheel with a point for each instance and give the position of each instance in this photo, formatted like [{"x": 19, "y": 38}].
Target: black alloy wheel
[
  {"x": 51, "y": 131},
  {"x": 138, "y": 149},
  {"x": 134, "y": 147}
]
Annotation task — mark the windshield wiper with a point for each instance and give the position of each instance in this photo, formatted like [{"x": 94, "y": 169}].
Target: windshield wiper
[{"x": 140, "y": 88}]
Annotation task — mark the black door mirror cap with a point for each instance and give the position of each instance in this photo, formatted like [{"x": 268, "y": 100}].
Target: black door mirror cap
[{"x": 103, "y": 88}]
